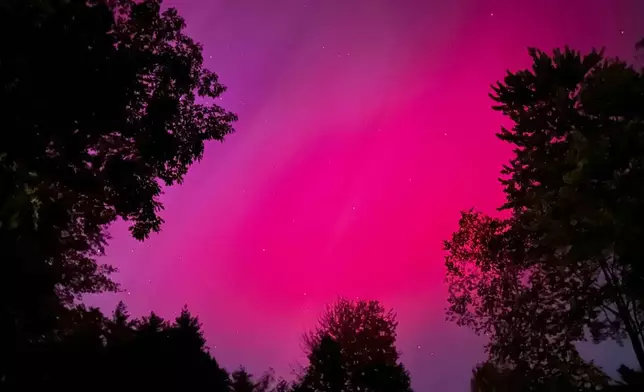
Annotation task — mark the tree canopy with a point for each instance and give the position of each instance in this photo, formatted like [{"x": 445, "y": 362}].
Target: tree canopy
[
  {"x": 353, "y": 349},
  {"x": 566, "y": 265},
  {"x": 104, "y": 102}
]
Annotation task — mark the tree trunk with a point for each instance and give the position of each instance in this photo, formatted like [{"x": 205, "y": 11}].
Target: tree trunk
[
  {"x": 633, "y": 336},
  {"x": 625, "y": 315}
]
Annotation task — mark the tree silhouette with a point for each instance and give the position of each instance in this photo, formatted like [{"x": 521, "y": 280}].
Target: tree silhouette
[
  {"x": 75, "y": 359},
  {"x": 353, "y": 349},
  {"x": 492, "y": 292},
  {"x": 282, "y": 386},
  {"x": 104, "y": 102},
  {"x": 575, "y": 179},
  {"x": 120, "y": 356},
  {"x": 631, "y": 380},
  {"x": 269, "y": 383},
  {"x": 190, "y": 360},
  {"x": 568, "y": 259},
  {"x": 490, "y": 377},
  {"x": 174, "y": 356},
  {"x": 109, "y": 354},
  {"x": 326, "y": 371},
  {"x": 242, "y": 381}
]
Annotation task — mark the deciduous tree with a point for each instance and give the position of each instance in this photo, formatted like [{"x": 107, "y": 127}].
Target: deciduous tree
[
  {"x": 568, "y": 259},
  {"x": 353, "y": 349},
  {"x": 104, "y": 102}
]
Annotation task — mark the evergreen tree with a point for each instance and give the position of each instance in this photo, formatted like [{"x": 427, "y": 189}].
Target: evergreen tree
[
  {"x": 120, "y": 351},
  {"x": 109, "y": 354},
  {"x": 242, "y": 381},
  {"x": 192, "y": 365}
]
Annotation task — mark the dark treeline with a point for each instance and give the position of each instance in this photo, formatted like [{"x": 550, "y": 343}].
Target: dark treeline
[
  {"x": 105, "y": 102},
  {"x": 353, "y": 348}
]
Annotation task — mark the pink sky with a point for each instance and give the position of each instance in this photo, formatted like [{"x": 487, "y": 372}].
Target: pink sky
[{"x": 365, "y": 127}]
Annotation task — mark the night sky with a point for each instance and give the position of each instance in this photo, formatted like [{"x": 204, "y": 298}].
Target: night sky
[{"x": 365, "y": 127}]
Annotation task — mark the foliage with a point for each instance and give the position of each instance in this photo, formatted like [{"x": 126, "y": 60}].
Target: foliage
[
  {"x": 576, "y": 179},
  {"x": 152, "y": 353},
  {"x": 242, "y": 381},
  {"x": 282, "y": 386},
  {"x": 353, "y": 349},
  {"x": 103, "y": 102},
  {"x": 567, "y": 262},
  {"x": 631, "y": 380},
  {"x": 520, "y": 308},
  {"x": 488, "y": 377},
  {"x": 148, "y": 353}
]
